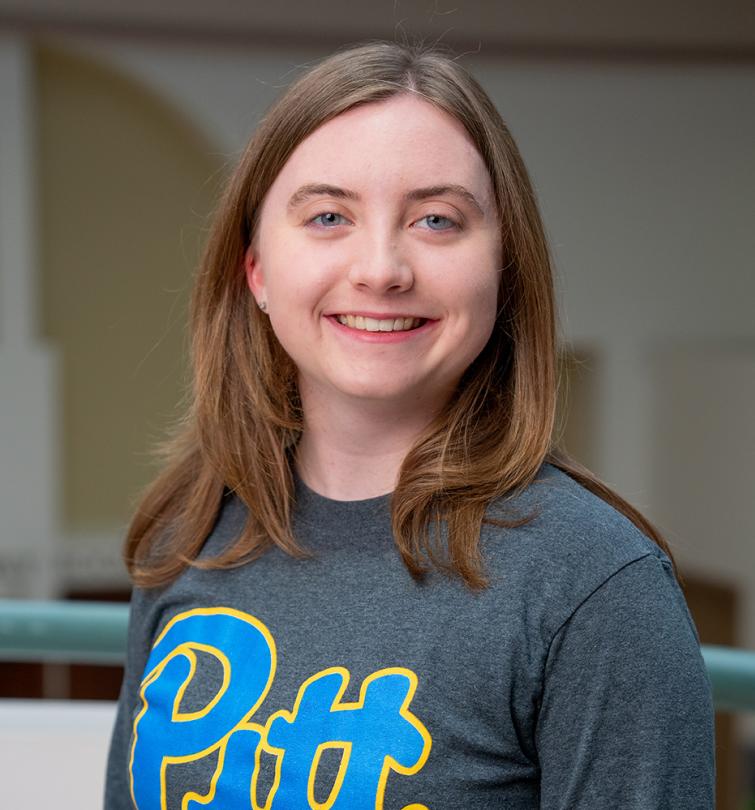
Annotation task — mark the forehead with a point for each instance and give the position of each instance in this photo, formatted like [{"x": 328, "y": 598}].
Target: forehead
[{"x": 401, "y": 141}]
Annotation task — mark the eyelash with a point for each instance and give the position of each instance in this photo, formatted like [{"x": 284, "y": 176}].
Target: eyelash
[
  {"x": 314, "y": 219},
  {"x": 453, "y": 224}
]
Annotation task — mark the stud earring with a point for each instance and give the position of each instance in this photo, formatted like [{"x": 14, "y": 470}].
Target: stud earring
[{"x": 262, "y": 305}]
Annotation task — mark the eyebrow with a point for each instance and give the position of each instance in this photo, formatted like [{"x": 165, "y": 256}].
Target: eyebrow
[
  {"x": 419, "y": 194},
  {"x": 310, "y": 190}
]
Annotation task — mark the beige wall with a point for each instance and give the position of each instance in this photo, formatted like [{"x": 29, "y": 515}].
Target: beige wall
[{"x": 124, "y": 189}]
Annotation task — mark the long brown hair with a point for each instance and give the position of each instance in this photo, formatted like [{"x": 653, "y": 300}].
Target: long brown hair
[{"x": 245, "y": 416}]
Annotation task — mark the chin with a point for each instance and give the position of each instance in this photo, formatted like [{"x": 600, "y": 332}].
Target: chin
[
  {"x": 373, "y": 390},
  {"x": 371, "y": 393}
]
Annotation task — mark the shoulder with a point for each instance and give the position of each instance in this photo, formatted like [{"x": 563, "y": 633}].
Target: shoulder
[
  {"x": 562, "y": 521},
  {"x": 571, "y": 543}
]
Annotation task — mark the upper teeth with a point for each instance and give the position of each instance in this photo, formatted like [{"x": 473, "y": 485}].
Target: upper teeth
[{"x": 375, "y": 325}]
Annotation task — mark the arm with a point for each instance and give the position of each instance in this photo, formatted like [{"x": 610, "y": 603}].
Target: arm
[
  {"x": 626, "y": 719},
  {"x": 117, "y": 786}
]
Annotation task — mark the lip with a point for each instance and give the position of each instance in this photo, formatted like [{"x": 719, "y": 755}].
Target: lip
[
  {"x": 378, "y": 316},
  {"x": 379, "y": 337}
]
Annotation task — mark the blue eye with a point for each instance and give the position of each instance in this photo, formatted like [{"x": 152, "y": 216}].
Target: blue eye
[
  {"x": 435, "y": 222},
  {"x": 328, "y": 219}
]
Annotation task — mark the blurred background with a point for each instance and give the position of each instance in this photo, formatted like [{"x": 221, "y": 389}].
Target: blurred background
[{"x": 118, "y": 124}]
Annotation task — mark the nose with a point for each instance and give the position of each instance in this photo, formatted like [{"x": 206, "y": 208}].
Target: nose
[{"x": 380, "y": 267}]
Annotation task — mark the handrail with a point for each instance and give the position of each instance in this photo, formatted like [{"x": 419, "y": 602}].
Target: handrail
[
  {"x": 66, "y": 631},
  {"x": 732, "y": 674},
  {"x": 95, "y": 633}
]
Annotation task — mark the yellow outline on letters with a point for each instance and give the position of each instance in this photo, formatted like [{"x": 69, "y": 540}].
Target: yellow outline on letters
[
  {"x": 389, "y": 763},
  {"x": 187, "y": 649},
  {"x": 340, "y": 776}
]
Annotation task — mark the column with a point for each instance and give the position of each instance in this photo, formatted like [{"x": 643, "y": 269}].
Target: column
[{"x": 29, "y": 498}]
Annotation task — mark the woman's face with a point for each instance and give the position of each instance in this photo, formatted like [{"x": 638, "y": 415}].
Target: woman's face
[{"x": 378, "y": 254}]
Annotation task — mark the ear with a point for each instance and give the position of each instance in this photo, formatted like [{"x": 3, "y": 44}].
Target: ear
[{"x": 254, "y": 276}]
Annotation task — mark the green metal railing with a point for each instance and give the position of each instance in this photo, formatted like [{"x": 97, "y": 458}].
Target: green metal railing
[
  {"x": 95, "y": 633},
  {"x": 70, "y": 632},
  {"x": 732, "y": 673}
]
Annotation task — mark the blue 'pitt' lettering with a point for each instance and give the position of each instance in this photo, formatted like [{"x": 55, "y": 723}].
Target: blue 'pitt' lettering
[
  {"x": 377, "y": 733},
  {"x": 163, "y": 734}
]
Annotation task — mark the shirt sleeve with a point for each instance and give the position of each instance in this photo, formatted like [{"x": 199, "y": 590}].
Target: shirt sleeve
[
  {"x": 117, "y": 780},
  {"x": 626, "y": 718}
]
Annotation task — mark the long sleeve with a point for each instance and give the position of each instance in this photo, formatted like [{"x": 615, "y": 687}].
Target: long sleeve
[{"x": 626, "y": 718}]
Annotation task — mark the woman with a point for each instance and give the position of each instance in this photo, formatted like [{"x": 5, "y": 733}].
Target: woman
[{"x": 365, "y": 579}]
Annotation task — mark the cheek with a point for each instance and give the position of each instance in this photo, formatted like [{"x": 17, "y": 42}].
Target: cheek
[
  {"x": 479, "y": 309},
  {"x": 296, "y": 292},
  {"x": 292, "y": 339},
  {"x": 478, "y": 295},
  {"x": 298, "y": 277}
]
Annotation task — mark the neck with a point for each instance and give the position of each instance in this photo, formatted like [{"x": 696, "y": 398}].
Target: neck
[{"x": 353, "y": 450}]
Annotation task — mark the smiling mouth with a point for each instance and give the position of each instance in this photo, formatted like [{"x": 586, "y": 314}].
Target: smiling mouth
[{"x": 381, "y": 325}]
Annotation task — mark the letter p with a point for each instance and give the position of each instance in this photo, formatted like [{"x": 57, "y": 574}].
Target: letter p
[{"x": 164, "y": 732}]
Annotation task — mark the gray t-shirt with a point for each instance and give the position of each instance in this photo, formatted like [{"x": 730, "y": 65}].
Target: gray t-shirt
[{"x": 574, "y": 681}]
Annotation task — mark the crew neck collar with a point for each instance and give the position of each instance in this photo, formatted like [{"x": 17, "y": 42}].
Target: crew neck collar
[{"x": 313, "y": 507}]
